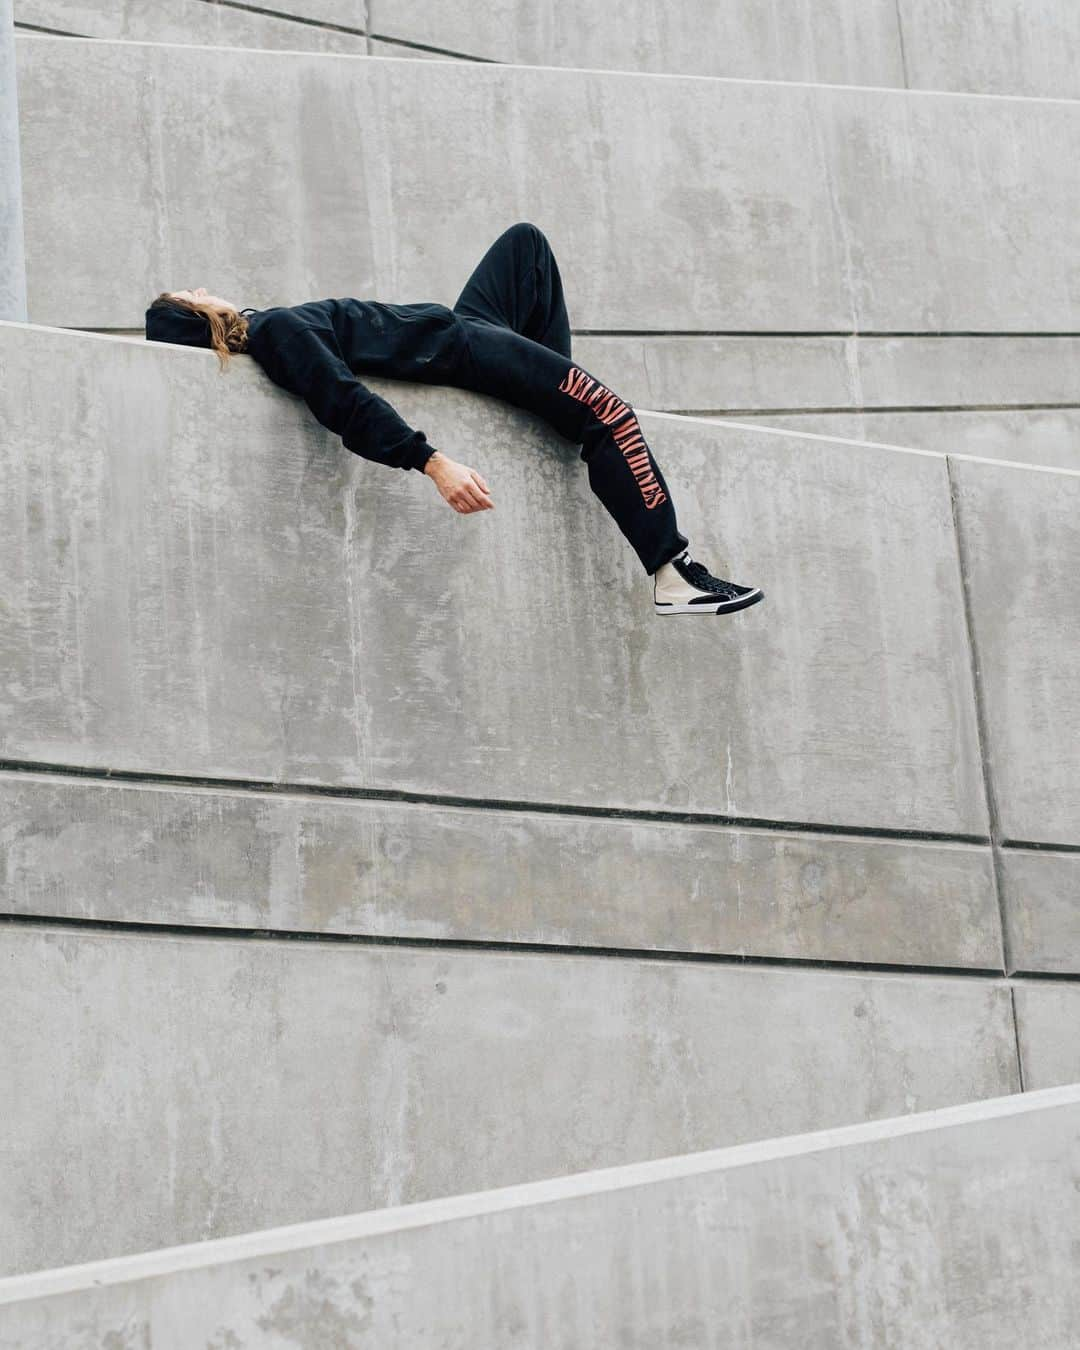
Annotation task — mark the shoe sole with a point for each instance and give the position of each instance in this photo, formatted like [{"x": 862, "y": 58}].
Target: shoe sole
[{"x": 716, "y": 607}]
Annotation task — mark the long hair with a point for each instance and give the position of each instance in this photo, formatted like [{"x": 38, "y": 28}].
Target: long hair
[{"x": 228, "y": 333}]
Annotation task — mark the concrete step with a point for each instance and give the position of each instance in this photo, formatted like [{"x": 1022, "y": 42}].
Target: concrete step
[
  {"x": 210, "y": 586},
  {"x": 954, "y": 1228},
  {"x": 1010, "y": 47},
  {"x": 288, "y": 861},
  {"x": 208, "y": 592},
  {"x": 164, "y": 1088},
  {"x": 1046, "y": 436},
  {"x": 724, "y": 205},
  {"x": 1005, "y": 397}
]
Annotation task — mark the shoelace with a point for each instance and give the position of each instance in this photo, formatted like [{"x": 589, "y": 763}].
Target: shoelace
[{"x": 703, "y": 579}]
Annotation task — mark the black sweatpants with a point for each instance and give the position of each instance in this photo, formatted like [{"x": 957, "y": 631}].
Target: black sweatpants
[{"x": 518, "y": 349}]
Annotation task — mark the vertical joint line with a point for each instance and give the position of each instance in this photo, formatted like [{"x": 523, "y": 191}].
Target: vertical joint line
[
  {"x": 1016, "y": 1038},
  {"x": 366, "y": 21},
  {"x": 980, "y": 724},
  {"x": 903, "y": 51}
]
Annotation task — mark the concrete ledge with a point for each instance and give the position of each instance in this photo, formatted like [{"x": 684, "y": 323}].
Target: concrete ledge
[
  {"x": 861, "y": 373},
  {"x": 210, "y": 585},
  {"x": 775, "y": 207},
  {"x": 1009, "y": 47},
  {"x": 139, "y": 853},
  {"x": 163, "y": 1089},
  {"x": 951, "y": 1228},
  {"x": 1046, "y": 437}
]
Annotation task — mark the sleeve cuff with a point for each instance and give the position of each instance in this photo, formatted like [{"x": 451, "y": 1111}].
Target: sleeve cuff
[{"x": 419, "y": 457}]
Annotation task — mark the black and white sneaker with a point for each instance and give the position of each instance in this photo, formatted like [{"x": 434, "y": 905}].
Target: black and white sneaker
[{"x": 683, "y": 586}]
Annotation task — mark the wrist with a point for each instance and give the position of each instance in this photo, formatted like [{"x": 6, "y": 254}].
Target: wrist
[{"x": 433, "y": 461}]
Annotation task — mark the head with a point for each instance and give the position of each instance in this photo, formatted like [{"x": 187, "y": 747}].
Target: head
[{"x": 196, "y": 318}]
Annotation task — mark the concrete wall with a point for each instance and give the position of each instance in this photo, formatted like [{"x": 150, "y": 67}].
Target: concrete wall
[
  {"x": 146, "y": 20},
  {"x": 1022, "y": 554},
  {"x": 771, "y": 207},
  {"x": 157, "y": 854},
  {"x": 788, "y": 373},
  {"x": 1042, "y": 911},
  {"x": 196, "y": 21},
  {"x": 164, "y": 1089},
  {"x": 1049, "y": 437},
  {"x": 209, "y": 585},
  {"x": 1047, "y": 1017},
  {"x": 992, "y": 46},
  {"x": 956, "y": 1228},
  {"x": 988, "y": 46},
  {"x": 12, "y": 254}
]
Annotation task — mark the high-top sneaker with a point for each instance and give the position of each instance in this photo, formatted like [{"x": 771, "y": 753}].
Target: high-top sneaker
[{"x": 683, "y": 586}]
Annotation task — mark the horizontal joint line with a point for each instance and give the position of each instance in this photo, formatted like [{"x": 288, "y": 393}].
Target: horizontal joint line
[
  {"x": 486, "y": 945},
  {"x": 314, "y": 790}
]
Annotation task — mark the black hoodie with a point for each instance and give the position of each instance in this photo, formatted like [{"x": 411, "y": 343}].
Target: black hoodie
[{"x": 315, "y": 350}]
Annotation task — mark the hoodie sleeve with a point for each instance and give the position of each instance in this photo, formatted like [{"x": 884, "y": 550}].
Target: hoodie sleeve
[{"x": 309, "y": 363}]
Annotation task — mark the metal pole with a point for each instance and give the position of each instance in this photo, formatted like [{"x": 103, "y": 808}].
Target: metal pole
[{"x": 12, "y": 254}]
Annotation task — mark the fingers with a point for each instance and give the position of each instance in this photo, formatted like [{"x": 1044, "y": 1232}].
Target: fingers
[
  {"x": 467, "y": 498},
  {"x": 465, "y": 490},
  {"x": 479, "y": 500}
]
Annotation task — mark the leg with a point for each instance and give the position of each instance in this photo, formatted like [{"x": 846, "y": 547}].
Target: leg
[
  {"x": 517, "y": 285},
  {"x": 622, "y": 471}
]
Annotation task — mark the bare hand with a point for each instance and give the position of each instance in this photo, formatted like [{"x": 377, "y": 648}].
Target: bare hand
[{"x": 461, "y": 486}]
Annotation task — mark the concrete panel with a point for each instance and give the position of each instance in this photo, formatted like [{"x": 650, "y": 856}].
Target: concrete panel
[
  {"x": 867, "y": 209},
  {"x": 12, "y": 255},
  {"x": 955, "y": 1228},
  {"x": 1042, "y": 910},
  {"x": 997, "y": 46},
  {"x": 1048, "y": 1031},
  {"x": 165, "y": 1089},
  {"x": 992, "y": 46},
  {"x": 833, "y": 42},
  {"x": 209, "y": 585},
  {"x": 195, "y": 21},
  {"x": 1021, "y": 552},
  {"x": 1049, "y": 437},
  {"x": 153, "y": 854},
  {"x": 743, "y": 372}
]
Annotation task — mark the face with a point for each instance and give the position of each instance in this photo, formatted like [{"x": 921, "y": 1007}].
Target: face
[{"x": 203, "y": 297}]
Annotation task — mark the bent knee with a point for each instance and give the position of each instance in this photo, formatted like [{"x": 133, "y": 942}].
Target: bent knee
[{"x": 526, "y": 230}]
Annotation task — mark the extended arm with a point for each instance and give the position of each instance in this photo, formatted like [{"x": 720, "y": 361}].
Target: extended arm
[{"x": 310, "y": 365}]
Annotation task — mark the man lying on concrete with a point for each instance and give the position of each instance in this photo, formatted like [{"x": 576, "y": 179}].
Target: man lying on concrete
[{"x": 508, "y": 335}]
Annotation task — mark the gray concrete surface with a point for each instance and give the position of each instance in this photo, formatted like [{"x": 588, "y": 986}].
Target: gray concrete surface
[
  {"x": 987, "y": 46},
  {"x": 12, "y": 252},
  {"x": 955, "y": 1228},
  {"x": 772, "y": 207},
  {"x": 140, "y": 853},
  {"x": 1049, "y": 437},
  {"x": 211, "y": 585},
  {"x": 195, "y": 21},
  {"x": 1021, "y": 551},
  {"x": 1042, "y": 910},
  {"x": 993, "y": 46},
  {"x": 818, "y": 372},
  {"x": 166, "y": 1089},
  {"x": 1048, "y": 1031}
]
